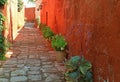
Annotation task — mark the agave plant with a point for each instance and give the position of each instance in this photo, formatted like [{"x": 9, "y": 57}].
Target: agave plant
[{"x": 78, "y": 69}]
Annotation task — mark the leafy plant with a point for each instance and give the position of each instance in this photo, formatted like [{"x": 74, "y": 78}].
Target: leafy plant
[
  {"x": 20, "y": 5},
  {"x": 2, "y": 19},
  {"x": 58, "y": 42},
  {"x": 32, "y": 0},
  {"x": 78, "y": 69},
  {"x": 47, "y": 32},
  {"x": 3, "y": 2},
  {"x": 38, "y": 20},
  {"x": 3, "y": 41},
  {"x": 41, "y": 26}
]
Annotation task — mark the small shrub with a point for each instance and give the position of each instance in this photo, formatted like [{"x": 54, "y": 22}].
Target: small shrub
[
  {"x": 41, "y": 26},
  {"x": 47, "y": 32},
  {"x": 58, "y": 42},
  {"x": 3, "y": 2},
  {"x": 4, "y": 44},
  {"x": 2, "y": 18}
]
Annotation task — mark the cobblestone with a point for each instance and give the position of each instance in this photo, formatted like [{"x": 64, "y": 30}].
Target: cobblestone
[
  {"x": 33, "y": 72},
  {"x": 18, "y": 79},
  {"x": 3, "y": 80},
  {"x": 18, "y": 72},
  {"x": 32, "y": 60},
  {"x": 34, "y": 77}
]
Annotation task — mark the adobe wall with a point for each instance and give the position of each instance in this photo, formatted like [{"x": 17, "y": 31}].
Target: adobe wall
[
  {"x": 30, "y": 14},
  {"x": 92, "y": 29},
  {"x": 48, "y": 14}
]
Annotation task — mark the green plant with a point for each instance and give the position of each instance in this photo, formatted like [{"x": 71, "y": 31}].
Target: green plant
[
  {"x": 20, "y": 5},
  {"x": 41, "y": 26},
  {"x": 2, "y": 47},
  {"x": 38, "y": 20},
  {"x": 78, "y": 69},
  {"x": 3, "y": 2},
  {"x": 32, "y": 0},
  {"x": 2, "y": 19},
  {"x": 58, "y": 42},
  {"x": 4, "y": 44},
  {"x": 47, "y": 32}
]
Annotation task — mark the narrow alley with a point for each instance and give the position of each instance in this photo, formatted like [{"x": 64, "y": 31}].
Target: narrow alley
[{"x": 32, "y": 60}]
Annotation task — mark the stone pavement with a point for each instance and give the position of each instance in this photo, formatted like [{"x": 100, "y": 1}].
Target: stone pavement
[{"x": 32, "y": 60}]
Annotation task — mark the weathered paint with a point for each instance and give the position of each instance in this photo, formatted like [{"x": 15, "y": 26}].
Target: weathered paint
[{"x": 91, "y": 28}]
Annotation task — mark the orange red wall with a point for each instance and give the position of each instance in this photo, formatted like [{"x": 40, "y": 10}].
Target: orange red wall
[
  {"x": 92, "y": 29},
  {"x": 48, "y": 14},
  {"x": 30, "y": 14}
]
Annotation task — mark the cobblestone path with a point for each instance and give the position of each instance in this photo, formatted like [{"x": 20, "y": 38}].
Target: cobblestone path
[{"x": 32, "y": 60}]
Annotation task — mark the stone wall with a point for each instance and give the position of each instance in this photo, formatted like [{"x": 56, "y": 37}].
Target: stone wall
[{"x": 92, "y": 29}]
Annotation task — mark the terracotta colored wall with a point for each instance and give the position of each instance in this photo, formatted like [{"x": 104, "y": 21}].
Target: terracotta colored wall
[
  {"x": 48, "y": 14},
  {"x": 92, "y": 28},
  {"x": 30, "y": 14}
]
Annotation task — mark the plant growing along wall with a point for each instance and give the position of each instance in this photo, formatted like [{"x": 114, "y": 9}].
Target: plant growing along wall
[
  {"x": 20, "y": 5},
  {"x": 32, "y": 0},
  {"x": 2, "y": 38},
  {"x": 47, "y": 32},
  {"x": 3, "y": 2},
  {"x": 58, "y": 42},
  {"x": 78, "y": 69}
]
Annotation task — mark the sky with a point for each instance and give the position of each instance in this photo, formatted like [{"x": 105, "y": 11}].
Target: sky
[{"x": 28, "y": 4}]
